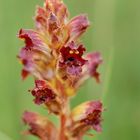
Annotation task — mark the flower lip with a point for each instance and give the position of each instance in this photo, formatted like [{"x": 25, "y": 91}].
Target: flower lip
[
  {"x": 73, "y": 55},
  {"x": 33, "y": 40},
  {"x": 27, "y": 39}
]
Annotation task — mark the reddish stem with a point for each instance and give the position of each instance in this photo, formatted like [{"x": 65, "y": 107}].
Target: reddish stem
[{"x": 62, "y": 127}]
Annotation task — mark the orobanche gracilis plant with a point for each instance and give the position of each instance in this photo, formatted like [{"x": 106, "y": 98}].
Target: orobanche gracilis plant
[{"x": 55, "y": 57}]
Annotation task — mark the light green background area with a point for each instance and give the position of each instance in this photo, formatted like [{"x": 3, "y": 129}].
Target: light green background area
[{"x": 114, "y": 31}]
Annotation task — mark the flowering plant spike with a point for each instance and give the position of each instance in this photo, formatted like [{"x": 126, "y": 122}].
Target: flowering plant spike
[{"x": 56, "y": 58}]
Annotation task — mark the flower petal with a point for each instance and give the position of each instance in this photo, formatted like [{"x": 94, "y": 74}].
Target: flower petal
[
  {"x": 94, "y": 60},
  {"x": 36, "y": 55},
  {"x": 77, "y": 26}
]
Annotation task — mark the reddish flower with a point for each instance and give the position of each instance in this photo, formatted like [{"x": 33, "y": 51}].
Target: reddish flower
[
  {"x": 42, "y": 93},
  {"x": 35, "y": 56},
  {"x": 45, "y": 95},
  {"x": 39, "y": 126},
  {"x": 86, "y": 116},
  {"x": 94, "y": 115},
  {"x": 72, "y": 58},
  {"x": 77, "y": 26},
  {"x": 32, "y": 40}
]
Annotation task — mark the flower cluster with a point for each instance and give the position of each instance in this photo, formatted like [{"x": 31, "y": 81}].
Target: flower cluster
[{"x": 56, "y": 59}]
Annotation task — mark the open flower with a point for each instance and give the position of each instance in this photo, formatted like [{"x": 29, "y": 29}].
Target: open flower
[
  {"x": 33, "y": 40},
  {"x": 39, "y": 126},
  {"x": 35, "y": 56},
  {"x": 85, "y": 117},
  {"x": 45, "y": 95},
  {"x": 90, "y": 69},
  {"x": 42, "y": 93},
  {"x": 72, "y": 59}
]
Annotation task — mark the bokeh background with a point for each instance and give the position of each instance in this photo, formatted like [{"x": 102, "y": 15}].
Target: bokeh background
[{"x": 114, "y": 31}]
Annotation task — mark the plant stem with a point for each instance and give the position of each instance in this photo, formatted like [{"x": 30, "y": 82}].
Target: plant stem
[{"x": 62, "y": 127}]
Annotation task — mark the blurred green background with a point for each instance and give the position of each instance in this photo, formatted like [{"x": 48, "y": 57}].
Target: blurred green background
[{"x": 115, "y": 31}]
